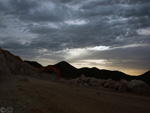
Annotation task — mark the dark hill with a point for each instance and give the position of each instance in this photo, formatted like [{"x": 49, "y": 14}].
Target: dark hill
[
  {"x": 65, "y": 65},
  {"x": 145, "y": 77},
  {"x": 104, "y": 74},
  {"x": 34, "y": 64},
  {"x": 67, "y": 70}
]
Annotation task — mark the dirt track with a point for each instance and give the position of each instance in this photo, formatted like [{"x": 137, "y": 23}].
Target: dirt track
[{"x": 50, "y": 97}]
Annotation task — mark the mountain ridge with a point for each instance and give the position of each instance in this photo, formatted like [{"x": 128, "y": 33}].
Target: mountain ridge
[
  {"x": 69, "y": 71},
  {"x": 34, "y": 63},
  {"x": 98, "y": 73}
]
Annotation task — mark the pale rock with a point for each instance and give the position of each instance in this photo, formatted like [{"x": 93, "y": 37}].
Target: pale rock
[
  {"x": 109, "y": 83},
  {"x": 138, "y": 86}
]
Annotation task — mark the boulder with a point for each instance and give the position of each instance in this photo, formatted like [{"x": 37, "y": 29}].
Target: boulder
[
  {"x": 85, "y": 80},
  {"x": 85, "y": 84},
  {"x": 124, "y": 81},
  {"x": 82, "y": 76},
  {"x": 121, "y": 87},
  {"x": 96, "y": 82},
  {"x": 138, "y": 86},
  {"x": 93, "y": 80},
  {"x": 109, "y": 83}
]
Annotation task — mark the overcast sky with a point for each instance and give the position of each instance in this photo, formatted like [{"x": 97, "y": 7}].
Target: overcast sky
[{"x": 108, "y": 34}]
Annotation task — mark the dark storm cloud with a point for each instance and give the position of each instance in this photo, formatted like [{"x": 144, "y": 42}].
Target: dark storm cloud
[
  {"x": 36, "y": 11},
  {"x": 95, "y": 3},
  {"x": 13, "y": 45},
  {"x": 22, "y": 6},
  {"x": 2, "y": 7},
  {"x": 55, "y": 26},
  {"x": 106, "y": 20},
  {"x": 2, "y": 25}
]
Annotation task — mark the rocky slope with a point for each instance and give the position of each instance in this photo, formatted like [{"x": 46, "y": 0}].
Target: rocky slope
[
  {"x": 34, "y": 64},
  {"x": 14, "y": 65}
]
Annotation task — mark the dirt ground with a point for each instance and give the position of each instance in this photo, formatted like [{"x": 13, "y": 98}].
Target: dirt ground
[{"x": 29, "y": 95}]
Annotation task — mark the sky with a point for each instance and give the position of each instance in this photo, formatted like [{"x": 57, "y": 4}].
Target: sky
[{"x": 107, "y": 34}]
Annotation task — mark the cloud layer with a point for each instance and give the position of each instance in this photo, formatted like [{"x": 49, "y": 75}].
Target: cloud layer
[{"x": 115, "y": 33}]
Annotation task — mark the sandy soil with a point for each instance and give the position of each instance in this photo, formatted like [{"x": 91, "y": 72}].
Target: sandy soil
[{"x": 29, "y": 95}]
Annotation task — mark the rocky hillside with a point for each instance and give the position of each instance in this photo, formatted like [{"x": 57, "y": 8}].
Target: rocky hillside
[
  {"x": 34, "y": 64},
  {"x": 14, "y": 65}
]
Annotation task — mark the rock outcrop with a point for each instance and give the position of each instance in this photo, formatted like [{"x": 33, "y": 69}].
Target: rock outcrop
[
  {"x": 14, "y": 65},
  {"x": 97, "y": 82},
  {"x": 138, "y": 86},
  {"x": 134, "y": 86}
]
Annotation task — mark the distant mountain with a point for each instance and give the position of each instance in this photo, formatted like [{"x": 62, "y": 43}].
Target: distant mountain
[
  {"x": 14, "y": 65},
  {"x": 69, "y": 71},
  {"x": 145, "y": 77},
  {"x": 34, "y": 63},
  {"x": 103, "y": 74}
]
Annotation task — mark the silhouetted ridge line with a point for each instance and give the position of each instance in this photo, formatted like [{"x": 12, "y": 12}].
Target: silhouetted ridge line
[
  {"x": 145, "y": 77},
  {"x": 69, "y": 71},
  {"x": 34, "y": 63}
]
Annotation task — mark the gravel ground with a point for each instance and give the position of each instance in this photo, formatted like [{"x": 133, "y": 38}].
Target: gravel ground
[
  {"x": 12, "y": 96},
  {"x": 30, "y": 95}
]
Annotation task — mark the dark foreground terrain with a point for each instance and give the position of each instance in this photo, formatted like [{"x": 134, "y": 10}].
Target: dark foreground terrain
[{"x": 30, "y": 95}]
